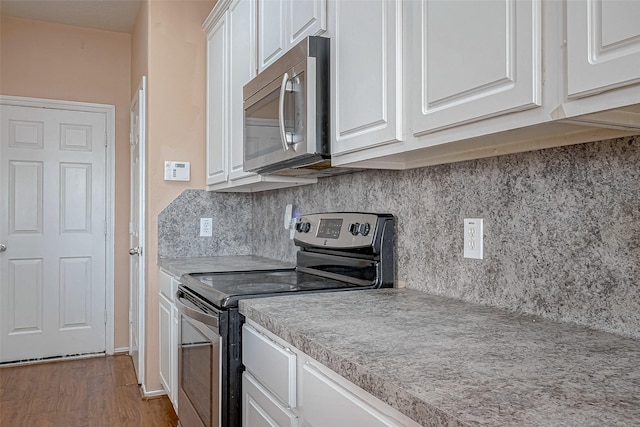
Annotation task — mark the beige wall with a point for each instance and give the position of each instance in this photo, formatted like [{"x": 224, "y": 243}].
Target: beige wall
[
  {"x": 176, "y": 129},
  {"x": 140, "y": 47},
  {"x": 54, "y": 61},
  {"x": 168, "y": 46}
]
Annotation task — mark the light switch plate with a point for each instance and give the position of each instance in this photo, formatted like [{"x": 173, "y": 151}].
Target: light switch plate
[
  {"x": 473, "y": 233},
  {"x": 290, "y": 220}
]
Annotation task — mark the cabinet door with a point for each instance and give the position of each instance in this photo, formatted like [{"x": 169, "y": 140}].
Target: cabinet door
[
  {"x": 174, "y": 356},
  {"x": 603, "y": 45},
  {"x": 165, "y": 283},
  {"x": 306, "y": 18},
  {"x": 165, "y": 345},
  {"x": 241, "y": 21},
  {"x": 260, "y": 409},
  {"x": 217, "y": 60},
  {"x": 366, "y": 74},
  {"x": 284, "y": 23},
  {"x": 326, "y": 403},
  {"x": 271, "y": 31},
  {"x": 474, "y": 60}
]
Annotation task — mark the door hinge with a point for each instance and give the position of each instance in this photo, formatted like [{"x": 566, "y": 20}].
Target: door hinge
[
  {"x": 106, "y": 138},
  {"x": 105, "y": 227},
  {"x": 105, "y": 317}
]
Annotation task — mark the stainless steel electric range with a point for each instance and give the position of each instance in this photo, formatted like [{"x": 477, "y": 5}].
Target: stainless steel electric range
[{"x": 338, "y": 252}]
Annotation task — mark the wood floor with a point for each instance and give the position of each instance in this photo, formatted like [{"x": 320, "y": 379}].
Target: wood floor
[{"x": 100, "y": 391}]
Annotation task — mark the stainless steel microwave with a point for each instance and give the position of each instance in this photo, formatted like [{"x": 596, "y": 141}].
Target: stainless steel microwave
[{"x": 286, "y": 111}]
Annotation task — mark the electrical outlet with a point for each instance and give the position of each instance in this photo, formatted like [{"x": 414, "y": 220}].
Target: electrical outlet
[
  {"x": 206, "y": 227},
  {"x": 473, "y": 233}
]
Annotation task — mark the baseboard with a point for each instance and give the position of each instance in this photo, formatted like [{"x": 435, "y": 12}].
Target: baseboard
[
  {"x": 153, "y": 393},
  {"x": 51, "y": 359},
  {"x": 121, "y": 350}
]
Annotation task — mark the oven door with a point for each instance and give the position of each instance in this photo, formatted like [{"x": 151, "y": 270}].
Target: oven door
[{"x": 199, "y": 367}]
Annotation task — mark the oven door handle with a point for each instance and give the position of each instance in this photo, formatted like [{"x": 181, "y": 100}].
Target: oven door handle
[{"x": 194, "y": 314}]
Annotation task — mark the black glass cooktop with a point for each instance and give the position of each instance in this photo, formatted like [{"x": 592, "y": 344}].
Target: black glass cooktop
[{"x": 225, "y": 289}]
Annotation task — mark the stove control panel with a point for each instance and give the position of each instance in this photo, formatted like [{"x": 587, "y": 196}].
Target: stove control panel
[
  {"x": 338, "y": 230},
  {"x": 357, "y": 228},
  {"x": 303, "y": 227}
]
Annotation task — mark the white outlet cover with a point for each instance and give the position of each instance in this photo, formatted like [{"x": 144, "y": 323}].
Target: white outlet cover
[
  {"x": 206, "y": 227},
  {"x": 473, "y": 238}
]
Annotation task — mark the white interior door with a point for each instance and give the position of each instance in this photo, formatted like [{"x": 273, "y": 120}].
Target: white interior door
[
  {"x": 53, "y": 194},
  {"x": 136, "y": 232}
]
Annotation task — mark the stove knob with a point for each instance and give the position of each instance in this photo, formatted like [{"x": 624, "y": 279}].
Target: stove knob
[
  {"x": 354, "y": 228},
  {"x": 364, "y": 228},
  {"x": 305, "y": 227}
]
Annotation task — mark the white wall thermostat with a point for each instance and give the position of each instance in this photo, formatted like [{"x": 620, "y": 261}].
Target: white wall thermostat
[{"x": 176, "y": 171}]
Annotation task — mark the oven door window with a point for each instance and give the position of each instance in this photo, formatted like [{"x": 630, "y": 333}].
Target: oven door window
[{"x": 200, "y": 369}]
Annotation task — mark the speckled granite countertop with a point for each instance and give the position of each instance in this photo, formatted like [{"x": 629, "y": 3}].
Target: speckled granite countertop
[
  {"x": 219, "y": 264},
  {"x": 444, "y": 362}
]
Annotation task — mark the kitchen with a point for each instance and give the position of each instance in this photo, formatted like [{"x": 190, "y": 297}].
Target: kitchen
[{"x": 561, "y": 237}]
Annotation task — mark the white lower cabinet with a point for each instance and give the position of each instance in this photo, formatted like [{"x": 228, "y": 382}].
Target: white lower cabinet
[
  {"x": 168, "y": 340},
  {"x": 269, "y": 382},
  {"x": 165, "y": 343},
  {"x": 273, "y": 365},
  {"x": 327, "y": 403},
  {"x": 261, "y": 409},
  {"x": 284, "y": 387}
]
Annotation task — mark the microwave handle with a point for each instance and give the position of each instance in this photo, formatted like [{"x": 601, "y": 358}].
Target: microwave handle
[{"x": 283, "y": 132}]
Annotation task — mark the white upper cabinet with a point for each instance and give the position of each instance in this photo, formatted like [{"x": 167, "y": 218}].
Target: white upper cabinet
[
  {"x": 231, "y": 63},
  {"x": 603, "y": 46},
  {"x": 283, "y": 23},
  {"x": 366, "y": 74},
  {"x": 271, "y": 20},
  {"x": 436, "y": 81},
  {"x": 242, "y": 67},
  {"x": 217, "y": 48},
  {"x": 474, "y": 60},
  {"x": 306, "y": 18},
  {"x": 602, "y": 66}
]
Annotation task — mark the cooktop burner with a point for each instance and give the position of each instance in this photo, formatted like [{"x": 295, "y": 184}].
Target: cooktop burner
[{"x": 225, "y": 289}]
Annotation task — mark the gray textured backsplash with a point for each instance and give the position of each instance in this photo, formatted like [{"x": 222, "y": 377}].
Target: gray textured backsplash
[
  {"x": 179, "y": 225},
  {"x": 561, "y": 229}
]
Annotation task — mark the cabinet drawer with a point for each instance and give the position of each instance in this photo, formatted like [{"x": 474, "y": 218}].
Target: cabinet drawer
[
  {"x": 168, "y": 285},
  {"x": 326, "y": 403},
  {"x": 259, "y": 408},
  {"x": 272, "y": 365}
]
